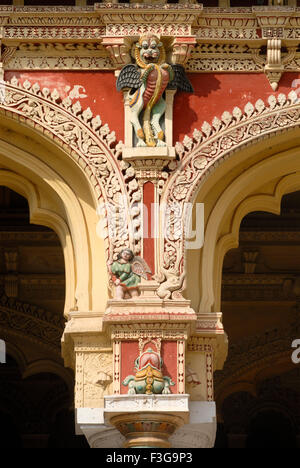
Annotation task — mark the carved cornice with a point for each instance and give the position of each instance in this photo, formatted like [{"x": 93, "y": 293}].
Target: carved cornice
[
  {"x": 56, "y": 55},
  {"x": 251, "y": 29},
  {"x": 129, "y": 19},
  {"x": 219, "y": 57}
]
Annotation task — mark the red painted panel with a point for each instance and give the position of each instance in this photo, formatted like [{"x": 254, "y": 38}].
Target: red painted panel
[
  {"x": 130, "y": 351},
  {"x": 97, "y": 90},
  {"x": 149, "y": 255},
  {"x": 169, "y": 355},
  {"x": 214, "y": 94},
  {"x": 219, "y": 92}
]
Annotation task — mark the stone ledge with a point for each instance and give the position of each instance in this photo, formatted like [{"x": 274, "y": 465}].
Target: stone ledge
[
  {"x": 141, "y": 403},
  {"x": 146, "y": 152}
]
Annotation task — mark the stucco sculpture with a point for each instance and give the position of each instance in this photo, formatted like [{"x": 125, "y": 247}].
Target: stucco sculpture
[
  {"x": 148, "y": 378},
  {"x": 127, "y": 272},
  {"x": 148, "y": 78}
]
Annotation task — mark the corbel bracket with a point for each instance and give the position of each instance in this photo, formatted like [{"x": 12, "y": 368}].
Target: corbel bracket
[
  {"x": 119, "y": 50},
  {"x": 273, "y": 21},
  {"x": 274, "y": 67}
]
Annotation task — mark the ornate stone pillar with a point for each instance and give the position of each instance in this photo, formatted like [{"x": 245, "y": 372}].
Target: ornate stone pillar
[{"x": 144, "y": 368}]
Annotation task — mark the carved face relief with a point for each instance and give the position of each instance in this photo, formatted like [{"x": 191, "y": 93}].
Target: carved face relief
[{"x": 149, "y": 49}]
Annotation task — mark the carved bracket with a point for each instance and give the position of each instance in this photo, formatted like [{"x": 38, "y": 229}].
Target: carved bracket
[
  {"x": 274, "y": 67},
  {"x": 182, "y": 48},
  {"x": 119, "y": 50}
]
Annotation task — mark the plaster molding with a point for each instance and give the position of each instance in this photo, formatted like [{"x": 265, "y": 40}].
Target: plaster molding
[
  {"x": 115, "y": 22},
  {"x": 140, "y": 403}
]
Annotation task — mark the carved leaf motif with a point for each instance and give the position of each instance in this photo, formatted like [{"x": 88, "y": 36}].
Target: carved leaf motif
[
  {"x": 249, "y": 109},
  {"x": 272, "y": 101},
  {"x": 293, "y": 97},
  {"x": 14, "y": 81},
  {"x": 179, "y": 149},
  {"x": 200, "y": 163},
  {"x": 87, "y": 114},
  {"x": 260, "y": 106},
  {"x": 35, "y": 88},
  {"x": 188, "y": 142},
  {"x": 104, "y": 130},
  {"x": 76, "y": 108},
  {"x": 281, "y": 99},
  {"x": 96, "y": 123},
  {"x": 226, "y": 118},
  {"x": 111, "y": 138},
  {"x": 55, "y": 96},
  {"x": 45, "y": 92},
  {"x": 206, "y": 129},
  {"x": 217, "y": 124},
  {"x": 27, "y": 85},
  {"x": 67, "y": 102},
  {"x": 180, "y": 192},
  {"x": 237, "y": 114}
]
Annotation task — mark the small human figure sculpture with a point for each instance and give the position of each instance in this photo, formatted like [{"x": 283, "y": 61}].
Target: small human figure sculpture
[{"x": 127, "y": 271}]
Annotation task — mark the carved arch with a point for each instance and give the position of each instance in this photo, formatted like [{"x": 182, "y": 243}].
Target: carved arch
[
  {"x": 40, "y": 214},
  {"x": 202, "y": 154},
  {"x": 87, "y": 141},
  {"x": 222, "y": 229}
]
